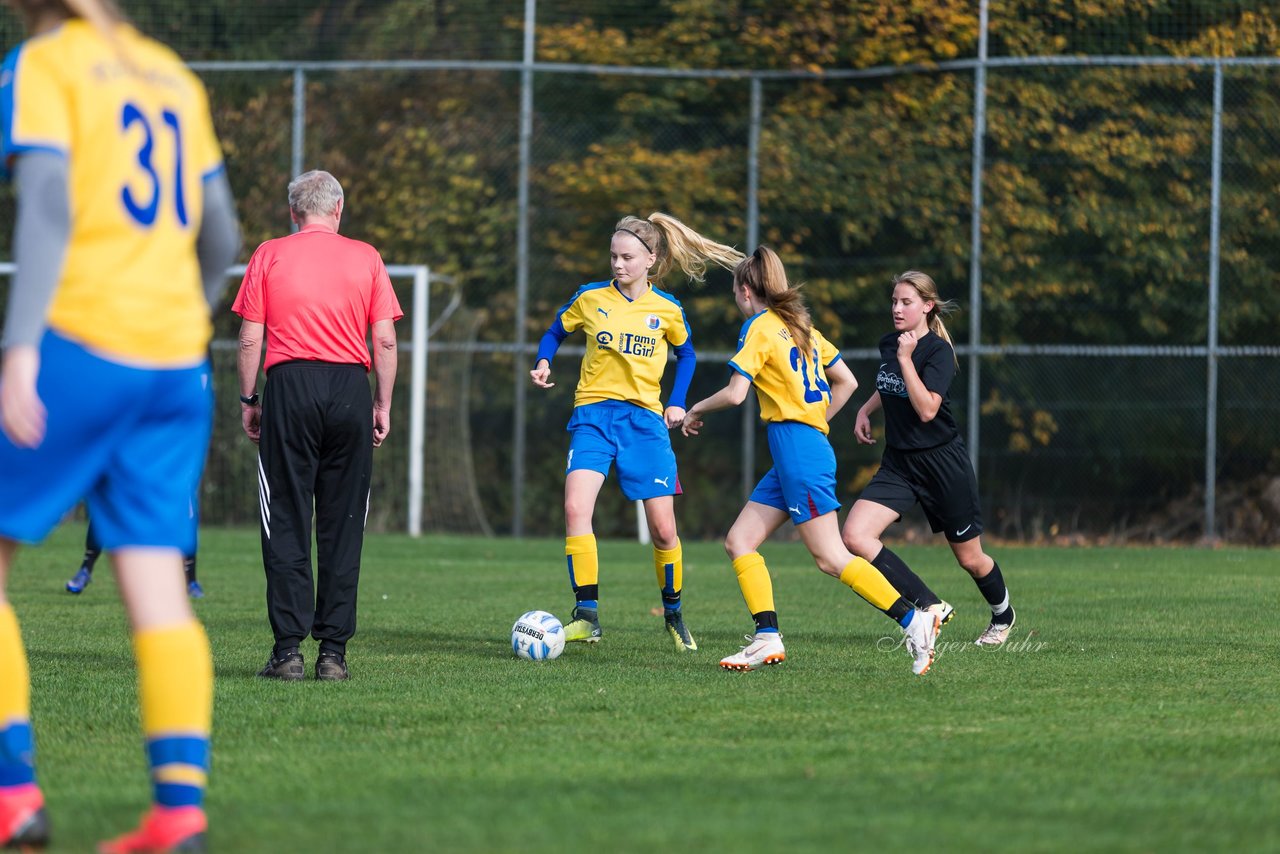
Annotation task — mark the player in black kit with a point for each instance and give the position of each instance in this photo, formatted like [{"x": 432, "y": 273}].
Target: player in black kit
[{"x": 925, "y": 459}]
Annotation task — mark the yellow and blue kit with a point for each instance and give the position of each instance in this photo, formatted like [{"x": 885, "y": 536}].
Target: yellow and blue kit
[
  {"x": 794, "y": 395},
  {"x": 123, "y": 373},
  {"x": 617, "y": 416},
  {"x": 133, "y": 123}
]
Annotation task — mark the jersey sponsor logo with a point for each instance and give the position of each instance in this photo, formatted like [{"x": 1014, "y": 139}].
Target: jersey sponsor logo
[
  {"x": 604, "y": 339},
  {"x": 602, "y": 311},
  {"x": 888, "y": 382},
  {"x": 636, "y": 345},
  {"x": 652, "y": 321}
]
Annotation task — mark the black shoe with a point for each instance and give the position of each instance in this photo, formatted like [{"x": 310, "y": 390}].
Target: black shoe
[
  {"x": 332, "y": 667},
  {"x": 288, "y": 667}
]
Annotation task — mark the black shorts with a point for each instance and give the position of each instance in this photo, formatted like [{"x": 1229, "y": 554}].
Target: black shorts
[{"x": 940, "y": 478}]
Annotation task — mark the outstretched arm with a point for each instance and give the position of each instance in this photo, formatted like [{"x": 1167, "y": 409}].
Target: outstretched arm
[{"x": 731, "y": 395}]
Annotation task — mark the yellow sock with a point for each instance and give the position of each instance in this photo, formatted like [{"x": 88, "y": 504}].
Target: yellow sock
[
  {"x": 175, "y": 690},
  {"x": 868, "y": 583},
  {"x": 753, "y": 578},
  {"x": 583, "y": 559},
  {"x": 668, "y": 565},
  {"x": 17, "y": 744}
]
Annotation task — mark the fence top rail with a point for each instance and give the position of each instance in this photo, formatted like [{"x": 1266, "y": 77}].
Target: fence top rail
[{"x": 730, "y": 73}]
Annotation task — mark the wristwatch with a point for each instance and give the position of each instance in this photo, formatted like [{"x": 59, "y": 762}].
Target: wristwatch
[{"x": 251, "y": 400}]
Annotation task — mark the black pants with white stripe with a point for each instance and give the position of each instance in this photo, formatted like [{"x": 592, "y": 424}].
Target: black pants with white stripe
[{"x": 315, "y": 455}]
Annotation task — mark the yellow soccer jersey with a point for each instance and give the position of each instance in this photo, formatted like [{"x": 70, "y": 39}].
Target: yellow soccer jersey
[
  {"x": 791, "y": 387},
  {"x": 134, "y": 124},
  {"x": 626, "y": 342}
]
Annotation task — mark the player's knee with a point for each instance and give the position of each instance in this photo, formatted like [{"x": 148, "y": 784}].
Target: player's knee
[
  {"x": 736, "y": 545},
  {"x": 976, "y": 565},
  {"x": 577, "y": 512},
  {"x": 663, "y": 534},
  {"x": 860, "y": 544}
]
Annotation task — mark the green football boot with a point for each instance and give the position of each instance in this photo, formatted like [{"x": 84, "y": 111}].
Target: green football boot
[{"x": 584, "y": 627}]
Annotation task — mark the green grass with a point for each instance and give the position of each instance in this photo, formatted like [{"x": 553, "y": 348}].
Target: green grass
[{"x": 1135, "y": 710}]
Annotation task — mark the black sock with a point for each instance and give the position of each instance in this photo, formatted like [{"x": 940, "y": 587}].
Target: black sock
[
  {"x": 906, "y": 582},
  {"x": 766, "y": 621},
  {"x": 91, "y": 555},
  {"x": 189, "y": 568},
  {"x": 899, "y": 609},
  {"x": 587, "y": 593},
  {"x": 993, "y": 590}
]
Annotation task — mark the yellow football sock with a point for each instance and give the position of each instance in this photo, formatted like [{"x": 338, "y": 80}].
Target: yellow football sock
[
  {"x": 15, "y": 678},
  {"x": 17, "y": 743},
  {"x": 668, "y": 565},
  {"x": 175, "y": 689},
  {"x": 583, "y": 559},
  {"x": 868, "y": 583},
  {"x": 753, "y": 578}
]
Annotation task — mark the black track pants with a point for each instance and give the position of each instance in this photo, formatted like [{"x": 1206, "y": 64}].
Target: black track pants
[{"x": 315, "y": 454}]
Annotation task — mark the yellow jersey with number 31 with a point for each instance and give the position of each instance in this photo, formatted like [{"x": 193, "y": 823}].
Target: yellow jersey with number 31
[
  {"x": 790, "y": 386},
  {"x": 134, "y": 125}
]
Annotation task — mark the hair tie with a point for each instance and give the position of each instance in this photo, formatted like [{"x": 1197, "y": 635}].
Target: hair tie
[{"x": 637, "y": 237}]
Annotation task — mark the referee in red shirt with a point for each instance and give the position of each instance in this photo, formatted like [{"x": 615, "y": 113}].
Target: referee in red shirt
[{"x": 315, "y": 294}]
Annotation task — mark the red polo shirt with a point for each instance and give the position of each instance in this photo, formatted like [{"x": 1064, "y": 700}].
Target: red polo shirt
[{"x": 317, "y": 293}]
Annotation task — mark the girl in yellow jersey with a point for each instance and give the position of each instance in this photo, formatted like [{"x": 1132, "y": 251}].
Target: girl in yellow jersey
[
  {"x": 618, "y": 417},
  {"x": 125, "y": 226},
  {"x": 801, "y": 383}
]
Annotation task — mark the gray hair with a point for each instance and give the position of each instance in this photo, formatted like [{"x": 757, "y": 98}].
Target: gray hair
[{"x": 314, "y": 193}]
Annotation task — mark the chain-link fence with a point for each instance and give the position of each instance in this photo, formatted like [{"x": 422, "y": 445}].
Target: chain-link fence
[{"x": 1110, "y": 234}]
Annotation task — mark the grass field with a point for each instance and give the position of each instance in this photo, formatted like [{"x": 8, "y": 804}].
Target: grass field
[{"x": 1137, "y": 708}]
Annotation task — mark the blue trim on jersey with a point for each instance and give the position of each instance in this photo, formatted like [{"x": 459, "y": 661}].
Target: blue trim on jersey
[
  {"x": 735, "y": 368},
  {"x": 686, "y": 361},
  {"x": 9, "y": 148},
  {"x": 686, "y": 358},
  {"x": 837, "y": 358},
  {"x": 742, "y": 333},
  {"x": 589, "y": 286},
  {"x": 220, "y": 169},
  {"x": 550, "y": 343}
]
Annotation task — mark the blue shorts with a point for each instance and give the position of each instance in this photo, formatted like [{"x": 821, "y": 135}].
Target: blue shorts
[
  {"x": 636, "y": 439},
  {"x": 131, "y": 442},
  {"x": 802, "y": 482}
]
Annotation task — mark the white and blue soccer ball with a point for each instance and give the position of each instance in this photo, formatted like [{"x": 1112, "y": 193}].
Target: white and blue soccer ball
[{"x": 537, "y": 636}]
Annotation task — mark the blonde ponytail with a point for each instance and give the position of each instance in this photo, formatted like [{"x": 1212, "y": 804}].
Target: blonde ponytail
[
  {"x": 677, "y": 245},
  {"x": 763, "y": 274}
]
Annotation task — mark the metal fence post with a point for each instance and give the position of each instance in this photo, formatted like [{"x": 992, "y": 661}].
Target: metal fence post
[
  {"x": 522, "y": 272},
  {"x": 748, "y": 463},
  {"x": 975, "y": 236},
  {"x": 299, "y": 126},
  {"x": 1211, "y": 380}
]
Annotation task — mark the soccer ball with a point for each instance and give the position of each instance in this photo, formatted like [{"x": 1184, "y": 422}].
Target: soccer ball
[{"x": 537, "y": 636}]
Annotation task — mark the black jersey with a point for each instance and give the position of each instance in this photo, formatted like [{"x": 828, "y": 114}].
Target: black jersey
[{"x": 934, "y": 361}]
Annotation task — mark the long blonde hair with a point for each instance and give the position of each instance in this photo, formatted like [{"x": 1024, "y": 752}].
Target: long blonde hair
[
  {"x": 677, "y": 245},
  {"x": 928, "y": 290},
  {"x": 763, "y": 274}
]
